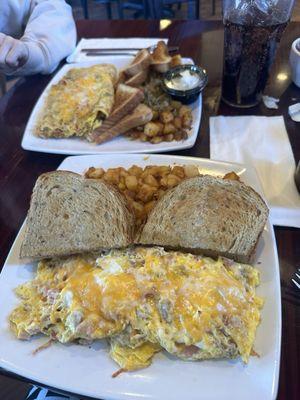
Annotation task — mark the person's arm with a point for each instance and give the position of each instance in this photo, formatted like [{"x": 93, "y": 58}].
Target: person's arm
[{"x": 49, "y": 36}]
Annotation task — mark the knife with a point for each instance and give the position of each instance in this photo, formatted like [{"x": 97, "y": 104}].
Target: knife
[
  {"x": 93, "y": 54},
  {"x": 171, "y": 49}
]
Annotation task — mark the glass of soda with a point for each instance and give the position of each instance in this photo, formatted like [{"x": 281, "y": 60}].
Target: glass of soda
[{"x": 252, "y": 30}]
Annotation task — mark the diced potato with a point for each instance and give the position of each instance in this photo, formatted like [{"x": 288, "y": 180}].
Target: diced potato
[
  {"x": 94, "y": 173},
  {"x": 152, "y": 129},
  {"x": 123, "y": 173},
  {"x": 134, "y": 134},
  {"x": 184, "y": 110},
  {"x": 150, "y": 180},
  {"x": 178, "y": 135},
  {"x": 155, "y": 114},
  {"x": 112, "y": 175},
  {"x": 150, "y": 170},
  {"x": 178, "y": 171},
  {"x": 175, "y": 104},
  {"x": 169, "y": 128},
  {"x": 177, "y": 122},
  {"x": 156, "y": 140},
  {"x": 135, "y": 170},
  {"x": 191, "y": 171},
  {"x": 232, "y": 176},
  {"x": 166, "y": 117},
  {"x": 129, "y": 194},
  {"x": 184, "y": 134},
  {"x": 187, "y": 120},
  {"x": 165, "y": 169},
  {"x": 172, "y": 180},
  {"x": 160, "y": 193},
  {"x": 169, "y": 138},
  {"x": 145, "y": 193},
  {"x": 122, "y": 186},
  {"x": 131, "y": 182},
  {"x": 144, "y": 138}
]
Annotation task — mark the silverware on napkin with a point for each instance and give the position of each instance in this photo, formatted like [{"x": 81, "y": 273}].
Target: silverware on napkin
[
  {"x": 109, "y": 53},
  {"x": 171, "y": 49}
]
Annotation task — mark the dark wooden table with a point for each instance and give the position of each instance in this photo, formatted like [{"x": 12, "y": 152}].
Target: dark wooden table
[{"x": 203, "y": 41}]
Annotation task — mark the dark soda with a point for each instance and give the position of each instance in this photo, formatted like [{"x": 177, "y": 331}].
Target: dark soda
[{"x": 249, "y": 51}]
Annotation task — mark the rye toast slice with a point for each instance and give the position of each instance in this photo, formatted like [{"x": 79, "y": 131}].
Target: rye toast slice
[
  {"x": 139, "y": 116},
  {"x": 127, "y": 98},
  {"x": 208, "y": 215},
  {"x": 70, "y": 214}
]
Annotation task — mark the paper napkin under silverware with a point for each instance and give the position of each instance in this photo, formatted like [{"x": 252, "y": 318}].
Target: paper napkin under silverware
[{"x": 110, "y": 43}]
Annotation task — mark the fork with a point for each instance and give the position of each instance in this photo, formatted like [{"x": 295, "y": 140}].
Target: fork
[{"x": 294, "y": 280}]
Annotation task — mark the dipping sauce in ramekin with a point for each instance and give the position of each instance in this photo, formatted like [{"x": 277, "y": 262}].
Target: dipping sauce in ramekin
[{"x": 185, "y": 82}]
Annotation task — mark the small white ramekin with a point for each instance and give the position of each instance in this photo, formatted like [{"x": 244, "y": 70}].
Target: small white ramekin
[{"x": 295, "y": 62}]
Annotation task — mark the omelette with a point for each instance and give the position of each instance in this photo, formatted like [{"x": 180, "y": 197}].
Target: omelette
[
  {"x": 144, "y": 300},
  {"x": 78, "y": 103}
]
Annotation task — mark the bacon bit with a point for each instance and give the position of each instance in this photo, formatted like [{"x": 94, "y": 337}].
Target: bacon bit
[
  {"x": 43, "y": 346},
  {"x": 254, "y": 354},
  {"x": 189, "y": 351},
  {"x": 117, "y": 373}
]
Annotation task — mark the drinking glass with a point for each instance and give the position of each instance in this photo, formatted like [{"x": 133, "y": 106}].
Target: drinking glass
[{"x": 252, "y": 31}]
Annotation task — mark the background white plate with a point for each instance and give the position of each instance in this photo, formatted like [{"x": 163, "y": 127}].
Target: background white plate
[
  {"x": 87, "y": 371},
  {"x": 119, "y": 144}
]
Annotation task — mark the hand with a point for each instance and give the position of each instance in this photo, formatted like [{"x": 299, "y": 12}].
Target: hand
[{"x": 13, "y": 53}]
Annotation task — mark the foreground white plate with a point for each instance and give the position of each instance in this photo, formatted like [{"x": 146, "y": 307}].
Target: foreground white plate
[
  {"x": 119, "y": 144},
  {"x": 87, "y": 371}
]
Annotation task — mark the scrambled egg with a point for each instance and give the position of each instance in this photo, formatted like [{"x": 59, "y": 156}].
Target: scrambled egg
[
  {"x": 144, "y": 300},
  {"x": 76, "y": 105}
]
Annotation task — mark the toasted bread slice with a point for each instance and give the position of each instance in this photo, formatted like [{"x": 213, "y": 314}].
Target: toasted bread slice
[
  {"x": 161, "y": 60},
  {"x": 139, "y": 116},
  {"x": 141, "y": 62},
  {"x": 208, "y": 215},
  {"x": 127, "y": 98},
  {"x": 70, "y": 214},
  {"x": 138, "y": 79}
]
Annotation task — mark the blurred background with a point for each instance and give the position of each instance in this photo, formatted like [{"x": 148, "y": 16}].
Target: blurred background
[{"x": 141, "y": 9}]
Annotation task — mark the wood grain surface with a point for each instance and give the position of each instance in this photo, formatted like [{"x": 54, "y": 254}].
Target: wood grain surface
[{"x": 202, "y": 41}]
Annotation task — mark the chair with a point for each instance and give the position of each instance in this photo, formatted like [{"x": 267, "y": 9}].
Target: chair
[
  {"x": 139, "y": 6},
  {"x": 107, "y": 3},
  {"x": 162, "y": 8}
]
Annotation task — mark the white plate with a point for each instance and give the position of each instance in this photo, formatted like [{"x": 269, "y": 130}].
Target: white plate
[
  {"x": 119, "y": 144},
  {"x": 87, "y": 371}
]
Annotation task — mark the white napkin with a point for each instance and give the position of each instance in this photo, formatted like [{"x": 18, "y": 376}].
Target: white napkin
[
  {"x": 110, "y": 43},
  {"x": 261, "y": 142}
]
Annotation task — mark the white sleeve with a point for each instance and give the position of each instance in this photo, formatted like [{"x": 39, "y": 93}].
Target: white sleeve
[{"x": 50, "y": 35}]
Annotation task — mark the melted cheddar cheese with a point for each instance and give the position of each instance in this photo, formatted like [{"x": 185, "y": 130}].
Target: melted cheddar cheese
[
  {"x": 78, "y": 103},
  {"x": 144, "y": 300}
]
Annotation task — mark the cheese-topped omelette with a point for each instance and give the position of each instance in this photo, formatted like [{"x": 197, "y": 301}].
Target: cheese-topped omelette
[
  {"x": 144, "y": 300},
  {"x": 78, "y": 103}
]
